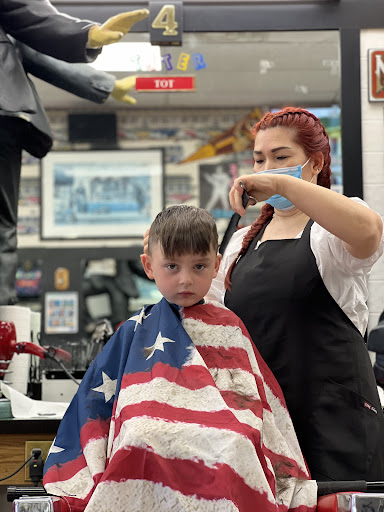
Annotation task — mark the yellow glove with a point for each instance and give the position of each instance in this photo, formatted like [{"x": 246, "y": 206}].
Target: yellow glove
[
  {"x": 122, "y": 86},
  {"x": 114, "y": 28}
]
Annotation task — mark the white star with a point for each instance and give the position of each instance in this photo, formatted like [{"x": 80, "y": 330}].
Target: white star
[
  {"x": 55, "y": 449},
  {"x": 108, "y": 387},
  {"x": 139, "y": 318},
  {"x": 159, "y": 345}
]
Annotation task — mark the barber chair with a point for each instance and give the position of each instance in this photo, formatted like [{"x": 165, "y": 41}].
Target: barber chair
[
  {"x": 354, "y": 496},
  {"x": 349, "y": 496},
  {"x": 33, "y": 499}
]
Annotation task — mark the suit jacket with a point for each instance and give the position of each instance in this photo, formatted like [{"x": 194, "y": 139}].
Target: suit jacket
[
  {"x": 33, "y": 35},
  {"x": 80, "y": 79}
]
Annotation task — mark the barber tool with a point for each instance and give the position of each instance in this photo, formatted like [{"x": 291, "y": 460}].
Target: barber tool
[
  {"x": 234, "y": 221},
  {"x": 9, "y": 346}
]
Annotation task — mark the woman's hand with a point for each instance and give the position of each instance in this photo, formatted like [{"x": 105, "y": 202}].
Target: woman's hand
[
  {"x": 145, "y": 241},
  {"x": 258, "y": 186}
]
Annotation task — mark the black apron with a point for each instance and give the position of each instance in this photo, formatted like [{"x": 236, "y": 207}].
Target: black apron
[{"x": 317, "y": 355}]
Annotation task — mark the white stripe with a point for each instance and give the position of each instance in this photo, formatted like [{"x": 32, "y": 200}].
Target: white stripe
[
  {"x": 189, "y": 441},
  {"x": 95, "y": 454},
  {"x": 294, "y": 492},
  {"x": 236, "y": 380},
  {"x": 203, "y": 334},
  {"x": 111, "y": 436},
  {"x": 216, "y": 336},
  {"x": 232, "y": 337},
  {"x": 161, "y": 390},
  {"x": 283, "y": 422},
  {"x": 79, "y": 486},
  {"x": 144, "y": 496},
  {"x": 226, "y": 336}
]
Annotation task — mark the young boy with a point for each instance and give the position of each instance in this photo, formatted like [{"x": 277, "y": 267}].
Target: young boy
[{"x": 179, "y": 412}]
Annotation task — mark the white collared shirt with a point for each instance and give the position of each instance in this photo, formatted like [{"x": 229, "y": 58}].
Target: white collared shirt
[{"x": 344, "y": 276}]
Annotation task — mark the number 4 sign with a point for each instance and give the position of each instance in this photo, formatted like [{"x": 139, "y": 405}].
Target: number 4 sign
[{"x": 166, "y": 23}]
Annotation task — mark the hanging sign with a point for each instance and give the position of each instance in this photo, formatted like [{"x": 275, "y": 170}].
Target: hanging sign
[
  {"x": 166, "y": 22},
  {"x": 165, "y": 83},
  {"x": 376, "y": 75}
]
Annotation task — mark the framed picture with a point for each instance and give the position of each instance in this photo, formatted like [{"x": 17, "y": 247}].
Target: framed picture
[
  {"x": 376, "y": 75},
  {"x": 61, "y": 313},
  {"x": 100, "y": 194}
]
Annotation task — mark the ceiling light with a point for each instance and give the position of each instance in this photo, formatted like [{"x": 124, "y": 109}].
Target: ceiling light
[
  {"x": 265, "y": 66},
  {"x": 302, "y": 89},
  {"x": 131, "y": 57},
  {"x": 332, "y": 64}
]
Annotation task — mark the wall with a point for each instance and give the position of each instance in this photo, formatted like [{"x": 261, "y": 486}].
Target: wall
[
  {"x": 179, "y": 133},
  {"x": 373, "y": 162}
]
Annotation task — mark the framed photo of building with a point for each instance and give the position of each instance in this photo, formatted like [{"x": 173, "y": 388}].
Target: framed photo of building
[{"x": 100, "y": 194}]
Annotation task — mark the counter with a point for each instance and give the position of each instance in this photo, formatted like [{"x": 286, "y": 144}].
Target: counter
[{"x": 14, "y": 433}]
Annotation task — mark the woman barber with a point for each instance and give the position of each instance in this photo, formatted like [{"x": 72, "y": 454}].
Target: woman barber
[{"x": 298, "y": 278}]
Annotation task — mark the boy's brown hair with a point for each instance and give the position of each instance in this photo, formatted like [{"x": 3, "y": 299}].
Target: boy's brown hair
[{"x": 183, "y": 229}]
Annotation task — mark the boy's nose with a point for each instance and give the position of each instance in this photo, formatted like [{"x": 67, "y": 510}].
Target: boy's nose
[{"x": 185, "y": 277}]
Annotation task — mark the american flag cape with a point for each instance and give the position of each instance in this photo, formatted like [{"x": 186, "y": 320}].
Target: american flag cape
[{"x": 179, "y": 413}]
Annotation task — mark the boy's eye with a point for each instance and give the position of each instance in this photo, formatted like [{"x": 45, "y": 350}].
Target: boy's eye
[
  {"x": 200, "y": 266},
  {"x": 171, "y": 266}
]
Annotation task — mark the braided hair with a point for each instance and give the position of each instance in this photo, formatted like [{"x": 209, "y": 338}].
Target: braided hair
[{"x": 310, "y": 135}]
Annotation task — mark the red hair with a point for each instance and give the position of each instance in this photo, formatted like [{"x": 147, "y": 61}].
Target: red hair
[{"x": 311, "y": 136}]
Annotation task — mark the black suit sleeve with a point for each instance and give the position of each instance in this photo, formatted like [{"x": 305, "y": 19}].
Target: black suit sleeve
[
  {"x": 41, "y": 26},
  {"x": 79, "y": 79}
]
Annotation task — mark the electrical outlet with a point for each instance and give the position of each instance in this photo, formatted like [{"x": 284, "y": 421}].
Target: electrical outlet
[{"x": 44, "y": 446}]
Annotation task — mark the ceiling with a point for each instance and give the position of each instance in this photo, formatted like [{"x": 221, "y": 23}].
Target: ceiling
[{"x": 243, "y": 69}]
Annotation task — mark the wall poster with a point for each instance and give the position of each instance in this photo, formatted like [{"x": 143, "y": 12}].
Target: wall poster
[{"x": 100, "y": 194}]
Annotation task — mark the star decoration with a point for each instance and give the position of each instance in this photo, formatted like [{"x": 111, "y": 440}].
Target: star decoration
[
  {"x": 139, "y": 318},
  {"x": 158, "y": 345},
  {"x": 55, "y": 449},
  {"x": 108, "y": 387}
]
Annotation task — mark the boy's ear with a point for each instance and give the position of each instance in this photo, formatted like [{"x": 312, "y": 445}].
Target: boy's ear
[
  {"x": 217, "y": 264},
  {"x": 147, "y": 265}
]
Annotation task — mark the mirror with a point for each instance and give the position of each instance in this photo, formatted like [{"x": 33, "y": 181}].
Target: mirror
[{"x": 235, "y": 74}]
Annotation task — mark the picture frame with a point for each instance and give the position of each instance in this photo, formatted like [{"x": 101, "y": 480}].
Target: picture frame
[
  {"x": 375, "y": 74},
  {"x": 100, "y": 193}
]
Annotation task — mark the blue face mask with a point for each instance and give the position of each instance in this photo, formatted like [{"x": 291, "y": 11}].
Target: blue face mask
[{"x": 278, "y": 201}]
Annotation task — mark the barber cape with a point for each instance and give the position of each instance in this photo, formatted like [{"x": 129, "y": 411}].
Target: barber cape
[{"x": 179, "y": 413}]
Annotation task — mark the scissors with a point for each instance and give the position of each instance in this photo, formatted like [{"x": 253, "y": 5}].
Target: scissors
[
  {"x": 234, "y": 221},
  {"x": 245, "y": 197}
]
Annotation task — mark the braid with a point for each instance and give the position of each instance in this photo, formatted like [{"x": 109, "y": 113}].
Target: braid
[
  {"x": 265, "y": 215},
  {"x": 310, "y": 134}
]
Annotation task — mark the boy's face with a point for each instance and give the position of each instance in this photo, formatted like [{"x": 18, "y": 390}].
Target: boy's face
[{"x": 184, "y": 279}]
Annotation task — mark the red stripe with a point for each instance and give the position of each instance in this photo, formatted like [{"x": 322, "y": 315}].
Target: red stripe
[
  {"x": 191, "y": 478},
  {"x": 222, "y": 358},
  {"x": 189, "y": 377},
  {"x": 213, "y": 315},
  {"x": 94, "y": 429},
  {"x": 240, "y": 402},
  {"x": 64, "y": 471},
  {"x": 233, "y": 358},
  {"x": 220, "y": 420},
  {"x": 197, "y": 377},
  {"x": 216, "y": 419},
  {"x": 286, "y": 466}
]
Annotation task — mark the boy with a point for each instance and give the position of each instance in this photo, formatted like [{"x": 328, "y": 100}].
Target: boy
[{"x": 179, "y": 412}]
